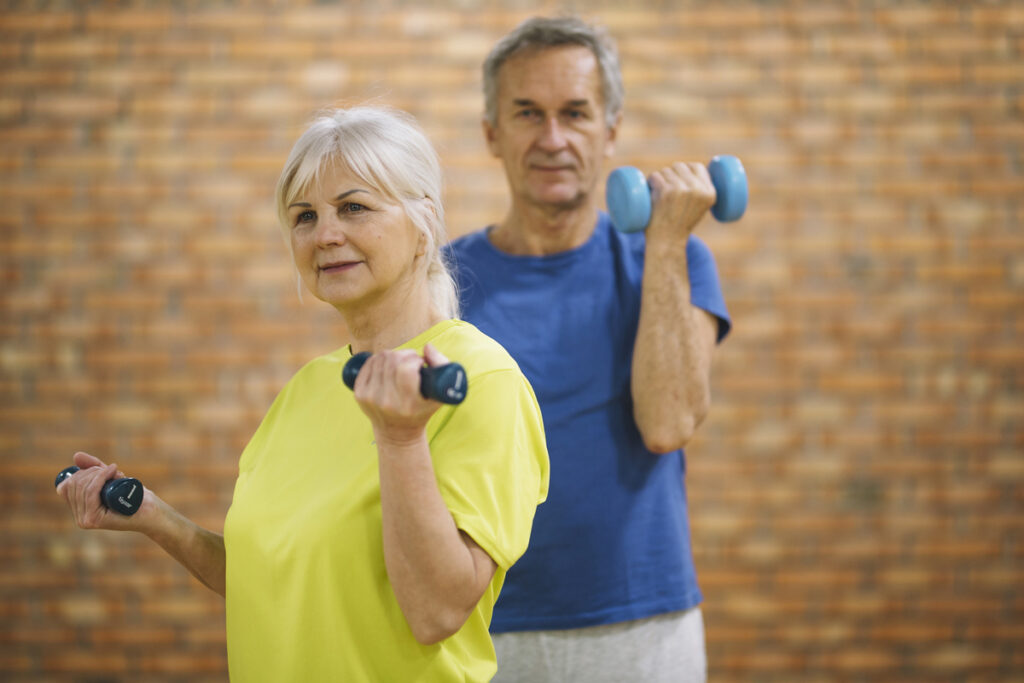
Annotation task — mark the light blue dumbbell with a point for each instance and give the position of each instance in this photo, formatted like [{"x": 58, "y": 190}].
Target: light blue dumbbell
[{"x": 629, "y": 195}]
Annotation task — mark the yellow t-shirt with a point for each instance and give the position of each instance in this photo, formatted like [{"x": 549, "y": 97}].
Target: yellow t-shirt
[{"x": 308, "y": 596}]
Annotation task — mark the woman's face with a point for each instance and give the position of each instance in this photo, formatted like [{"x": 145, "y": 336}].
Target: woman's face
[{"x": 353, "y": 246}]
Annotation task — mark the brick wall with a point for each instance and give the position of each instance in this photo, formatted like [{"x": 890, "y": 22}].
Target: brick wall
[{"x": 857, "y": 489}]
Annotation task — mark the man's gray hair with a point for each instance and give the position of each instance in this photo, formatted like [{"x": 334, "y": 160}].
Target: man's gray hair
[{"x": 546, "y": 32}]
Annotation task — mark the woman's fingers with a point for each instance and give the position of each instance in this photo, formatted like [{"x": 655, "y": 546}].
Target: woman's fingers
[
  {"x": 82, "y": 492},
  {"x": 390, "y": 377},
  {"x": 434, "y": 357},
  {"x": 85, "y": 461}
]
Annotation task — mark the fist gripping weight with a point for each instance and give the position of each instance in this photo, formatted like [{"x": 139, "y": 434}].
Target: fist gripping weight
[
  {"x": 629, "y": 196},
  {"x": 120, "y": 495},
  {"x": 445, "y": 383}
]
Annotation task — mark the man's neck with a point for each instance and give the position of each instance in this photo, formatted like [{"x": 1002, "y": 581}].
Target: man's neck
[{"x": 539, "y": 231}]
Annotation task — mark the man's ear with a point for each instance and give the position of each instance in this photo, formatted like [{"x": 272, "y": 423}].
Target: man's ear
[
  {"x": 491, "y": 137},
  {"x": 613, "y": 132}
]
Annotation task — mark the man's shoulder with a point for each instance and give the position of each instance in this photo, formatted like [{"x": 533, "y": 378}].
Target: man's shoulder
[
  {"x": 468, "y": 242},
  {"x": 478, "y": 352}
]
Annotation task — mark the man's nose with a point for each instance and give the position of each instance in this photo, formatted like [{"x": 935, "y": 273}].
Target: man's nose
[{"x": 552, "y": 138}]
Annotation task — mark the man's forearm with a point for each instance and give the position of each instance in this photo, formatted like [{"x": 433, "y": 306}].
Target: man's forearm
[{"x": 672, "y": 356}]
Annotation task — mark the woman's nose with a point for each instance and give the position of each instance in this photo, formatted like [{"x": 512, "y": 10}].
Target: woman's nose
[{"x": 330, "y": 230}]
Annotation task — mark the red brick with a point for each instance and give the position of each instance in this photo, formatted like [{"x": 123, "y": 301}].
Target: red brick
[
  {"x": 997, "y": 16},
  {"x": 192, "y": 664},
  {"x": 74, "y": 106},
  {"x": 820, "y": 16},
  {"x": 72, "y": 49},
  {"x": 81, "y": 661},
  {"x": 107, "y": 637},
  {"x": 277, "y": 48},
  {"x": 922, "y": 17},
  {"x": 220, "y": 21},
  {"x": 861, "y": 660},
  {"x": 129, "y": 21},
  {"x": 962, "y": 658},
  {"x": 16, "y": 78}
]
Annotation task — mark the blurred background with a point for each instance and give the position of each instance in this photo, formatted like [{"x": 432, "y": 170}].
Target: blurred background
[{"x": 857, "y": 489}]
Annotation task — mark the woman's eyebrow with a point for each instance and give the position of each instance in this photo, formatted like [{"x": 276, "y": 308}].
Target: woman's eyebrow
[
  {"x": 341, "y": 196},
  {"x": 345, "y": 194}
]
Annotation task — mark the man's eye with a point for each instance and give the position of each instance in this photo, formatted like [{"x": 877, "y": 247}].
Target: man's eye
[{"x": 527, "y": 113}]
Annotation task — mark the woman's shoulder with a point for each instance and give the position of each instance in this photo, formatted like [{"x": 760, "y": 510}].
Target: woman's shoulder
[
  {"x": 463, "y": 342},
  {"x": 323, "y": 369}
]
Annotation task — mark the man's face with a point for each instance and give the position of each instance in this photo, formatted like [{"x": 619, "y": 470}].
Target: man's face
[{"x": 550, "y": 132}]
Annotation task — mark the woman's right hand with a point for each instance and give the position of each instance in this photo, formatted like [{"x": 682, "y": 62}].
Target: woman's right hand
[
  {"x": 82, "y": 492},
  {"x": 388, "y": 392}
]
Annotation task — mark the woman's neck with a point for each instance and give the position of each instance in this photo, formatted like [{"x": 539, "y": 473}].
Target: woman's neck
[{"x": 389, "y": 323}]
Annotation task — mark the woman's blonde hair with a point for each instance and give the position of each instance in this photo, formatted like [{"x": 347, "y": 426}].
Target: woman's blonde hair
[{"x": 385, "y": 148}]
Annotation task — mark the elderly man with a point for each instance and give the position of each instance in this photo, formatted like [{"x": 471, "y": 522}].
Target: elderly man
[{"x": 616, "y": 334}]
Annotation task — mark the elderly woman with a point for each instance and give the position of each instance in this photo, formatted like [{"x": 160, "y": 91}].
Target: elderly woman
[{"x": 370, "y": 530}]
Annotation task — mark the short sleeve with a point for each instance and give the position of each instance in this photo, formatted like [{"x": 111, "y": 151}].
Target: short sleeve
[
  {"x": 491, "y": 463},
  {"x": 705, "y": 287}
]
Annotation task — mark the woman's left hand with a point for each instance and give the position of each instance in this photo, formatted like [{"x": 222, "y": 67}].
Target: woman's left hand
[{"x": 388, "y": 391}]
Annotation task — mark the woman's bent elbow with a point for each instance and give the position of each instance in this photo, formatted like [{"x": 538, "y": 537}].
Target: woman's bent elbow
[{"x": 439, "y": 625}]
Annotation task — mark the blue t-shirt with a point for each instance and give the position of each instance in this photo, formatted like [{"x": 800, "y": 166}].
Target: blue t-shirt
[{"x": 612, "y": 542}]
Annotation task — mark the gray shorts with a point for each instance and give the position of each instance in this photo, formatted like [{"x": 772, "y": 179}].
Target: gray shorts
[{"x": 668, "y": 648}]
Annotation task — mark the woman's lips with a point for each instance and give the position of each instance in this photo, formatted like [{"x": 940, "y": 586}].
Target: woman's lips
[{"x": 339, "y": 267}]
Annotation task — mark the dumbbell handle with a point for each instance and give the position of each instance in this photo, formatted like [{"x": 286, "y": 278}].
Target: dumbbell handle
[
  {"x": 629, "y": 196},
  {"x": 123, "y": 495},
  {"x": 444, "y": 383}
]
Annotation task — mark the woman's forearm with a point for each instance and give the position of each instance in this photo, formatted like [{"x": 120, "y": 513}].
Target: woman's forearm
[
  {"x": 437, "y": 572},
  {"x": 197, "y": 549}
]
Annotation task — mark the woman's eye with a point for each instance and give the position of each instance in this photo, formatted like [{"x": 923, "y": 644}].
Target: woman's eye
[
  {"x": 353, "y": 207},
  {"x": 305, "y": 217}
]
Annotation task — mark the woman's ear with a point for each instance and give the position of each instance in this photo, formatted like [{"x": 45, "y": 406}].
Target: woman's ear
[
  {"x": 433, "y": 207},
  {"x": 430, "y": 216}
]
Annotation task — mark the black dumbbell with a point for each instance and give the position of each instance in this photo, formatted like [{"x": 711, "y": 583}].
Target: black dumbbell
[
  {"x": 123, "y": 496},
  {"x": 444, "y": 383}
]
